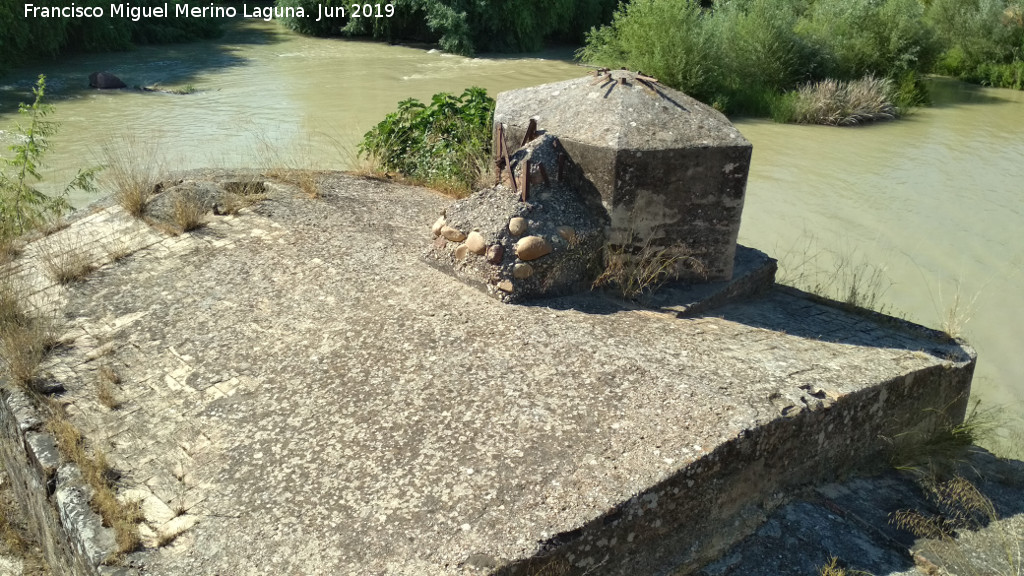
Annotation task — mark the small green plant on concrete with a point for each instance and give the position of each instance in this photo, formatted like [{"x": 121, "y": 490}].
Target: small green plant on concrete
[
  {"x": 443, "y": 144},
  {"x": 23, "y": 208}
]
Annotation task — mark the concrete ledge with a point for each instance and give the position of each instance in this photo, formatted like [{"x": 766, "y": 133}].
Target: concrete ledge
[
  {"x": 52, "y": 496},
  {"x": 753, "y": 273},
  {"x": 302, "y": 394}
]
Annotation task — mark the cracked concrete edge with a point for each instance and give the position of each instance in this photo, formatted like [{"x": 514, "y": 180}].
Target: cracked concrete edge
[
  {"x": 70, "y": 531},
  {"x": 695, "y": 512}
]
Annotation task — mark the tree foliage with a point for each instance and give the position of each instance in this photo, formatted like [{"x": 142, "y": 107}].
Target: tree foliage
[
  {"x": 24, "y": 39},
  {"x": 468, "y": 26},
  {"x": 743, "y": 55}
]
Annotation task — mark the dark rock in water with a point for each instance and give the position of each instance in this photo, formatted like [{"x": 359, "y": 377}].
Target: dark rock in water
[{"x": 105, "y": 81}]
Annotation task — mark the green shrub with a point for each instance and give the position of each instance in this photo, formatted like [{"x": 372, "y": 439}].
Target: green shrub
[
  {"x": 982, "y": 40},
  {"x": 668, "y": 39},
  {"x": 855, "y": 38},
  {"x": 308, "y": 25},
  {"x": 444, "y": 143},
  {"x": 24, "y": 39},
  {"x": 22, "y": 207}
]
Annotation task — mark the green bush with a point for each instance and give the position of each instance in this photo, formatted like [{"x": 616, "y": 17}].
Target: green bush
[
  {"x": 668, "y": 39},
  {"x": 444, "y": 143},
  {"x": 855, "y": 38},
  {"x": 308, "y": 25},
  {"x": 982, "y": 40},
  {"x": 744, "y": 56},
  {"x": 22, "y": 207}
]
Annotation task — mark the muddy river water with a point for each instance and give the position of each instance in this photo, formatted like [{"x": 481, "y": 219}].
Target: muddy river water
[{"x": 933, "y": 204}]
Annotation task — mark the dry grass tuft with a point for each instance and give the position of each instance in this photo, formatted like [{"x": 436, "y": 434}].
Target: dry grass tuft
[
  {"x": 131, "y": 170},
  {"x": 834, "y": 569},
  {"x": 632, "y": 271},
  {"x": 118, "y": 250},
  {"x": 842, "y": 275},
  {"x": 307, "y": 181},
  {"x": 65, "y": 262},
  {"x": 839, "y": 103},
  {"x": 123, "y": 517},
  {"x": 961, "y": 508},
  {"x": 25, "y": 338},
  {"x": 239, "y": 195},
  {"x": 10, "y": 538},
  {"x": 106, "y": 379},
  {"x": 938, "y": 449},
  {"x": 188, "y": 212}
]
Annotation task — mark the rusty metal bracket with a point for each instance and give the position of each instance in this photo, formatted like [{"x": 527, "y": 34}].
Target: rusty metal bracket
[
  {"x": 526, "y": 181},
  {"x": 531, "y": 132}
]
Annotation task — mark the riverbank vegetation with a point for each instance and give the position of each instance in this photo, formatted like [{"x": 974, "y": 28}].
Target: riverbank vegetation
[
  {"x": 783, "y": 57},
  {"x": 23, "y": 208},
  {"x": 465, "y": 26},
  {"x": 23, "y": 39},
  {"x": 445, "y": 144}
]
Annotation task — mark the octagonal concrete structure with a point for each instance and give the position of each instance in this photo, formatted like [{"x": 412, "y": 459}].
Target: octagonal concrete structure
[{"x": 671, "y": 171}]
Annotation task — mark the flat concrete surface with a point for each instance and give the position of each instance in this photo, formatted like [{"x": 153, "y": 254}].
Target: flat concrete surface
[{"x": 302, "y": 394}]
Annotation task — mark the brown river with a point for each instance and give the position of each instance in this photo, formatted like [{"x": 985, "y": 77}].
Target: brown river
[{"x": 932, "y": 205}]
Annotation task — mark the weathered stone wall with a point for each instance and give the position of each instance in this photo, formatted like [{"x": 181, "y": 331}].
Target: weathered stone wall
[
  {"x": 53, "y": 496},
  {"x": 690, "y": 518},
  {"x": 671, "y": 171}
]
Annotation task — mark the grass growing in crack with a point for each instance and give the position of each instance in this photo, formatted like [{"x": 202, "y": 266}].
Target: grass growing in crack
[
  {"x": 9, "y": 537},
  {"x": 123, "y": 517},
  {"x": 106, "y": 380},
  {"x": 937, "y": 449},
  {"x": 239, "y": 195},
  {"x": 962, "y": 508},
  {"x": 188, "y": 212},
  {"x": 132, "y": 169},
  {"x": 25, "y": 338},
  {"x": 841, "y": 275},
  {"x": 118, "y": 250},
  {"x": 631, "y": 271},
  {"x": 65, "y": 262}
]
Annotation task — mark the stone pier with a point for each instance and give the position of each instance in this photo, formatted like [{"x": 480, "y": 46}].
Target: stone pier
[{"x": 671, "y": 171}]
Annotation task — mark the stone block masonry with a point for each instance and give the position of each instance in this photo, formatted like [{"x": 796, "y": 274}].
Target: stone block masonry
[
  {"x": 302, "y": 395},
  {"x": 671, "y": 171}
]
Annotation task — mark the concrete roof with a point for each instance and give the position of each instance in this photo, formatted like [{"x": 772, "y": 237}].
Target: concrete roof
[{"x": 619, "y": 111}]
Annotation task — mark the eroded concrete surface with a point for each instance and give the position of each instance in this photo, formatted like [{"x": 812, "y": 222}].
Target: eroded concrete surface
[{"x": 303, "y": 395}]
